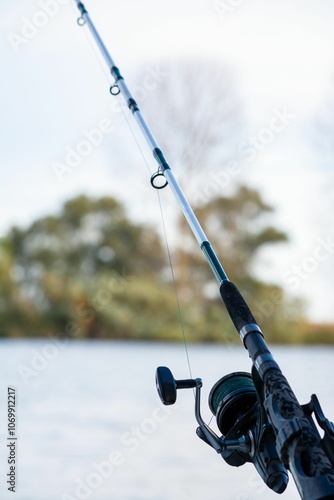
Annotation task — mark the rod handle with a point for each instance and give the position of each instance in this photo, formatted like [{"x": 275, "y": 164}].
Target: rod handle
[{"x": 236, "y": 305}]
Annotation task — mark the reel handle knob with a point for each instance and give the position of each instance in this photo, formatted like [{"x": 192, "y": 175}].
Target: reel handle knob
[{"x": 167, "y": 385}]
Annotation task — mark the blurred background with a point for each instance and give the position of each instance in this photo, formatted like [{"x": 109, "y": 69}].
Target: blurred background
[{"x": 239, "y": 96}]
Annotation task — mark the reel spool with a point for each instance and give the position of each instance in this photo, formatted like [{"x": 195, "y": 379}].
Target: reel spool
[
  {"x": 233, "y": 401},
  {"x": 230, "y": 398}
]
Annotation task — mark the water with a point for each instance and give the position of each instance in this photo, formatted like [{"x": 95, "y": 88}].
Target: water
[{"x": 90, "y": 424}]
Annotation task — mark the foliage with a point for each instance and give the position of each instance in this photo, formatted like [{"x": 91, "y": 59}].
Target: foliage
[
  {"x": 47, "y": 268},
  {"x": 90, "y": 272}
]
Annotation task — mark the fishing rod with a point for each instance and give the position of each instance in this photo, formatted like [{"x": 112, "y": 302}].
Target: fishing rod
[{"x": 258, "y": 414}]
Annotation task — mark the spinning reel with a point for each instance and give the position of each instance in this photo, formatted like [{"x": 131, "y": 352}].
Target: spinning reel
[
  {"x": 241, "y": 409},
  {"x": 247, "y": 436}
]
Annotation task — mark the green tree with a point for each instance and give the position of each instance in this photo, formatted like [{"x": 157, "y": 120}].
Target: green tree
[
  {"x": 87, "y": 237},
  {"x": 49, "y": 267},
  {"x": 16, "y": 310}
]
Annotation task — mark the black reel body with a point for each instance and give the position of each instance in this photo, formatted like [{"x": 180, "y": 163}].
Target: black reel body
[
  {"x": 235, "y": 402},
  {"x": 246, "y": 434},
  {"x": 241, "y": 407}
]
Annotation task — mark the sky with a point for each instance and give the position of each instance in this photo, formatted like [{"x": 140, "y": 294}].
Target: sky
[{"x": 55, "y": 97}]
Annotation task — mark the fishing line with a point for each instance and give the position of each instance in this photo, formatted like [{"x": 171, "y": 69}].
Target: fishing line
[
  {"x": 175, "y": 286},
  {"x": 170, "y": 260},
  {"x": 81, "y": 24}
]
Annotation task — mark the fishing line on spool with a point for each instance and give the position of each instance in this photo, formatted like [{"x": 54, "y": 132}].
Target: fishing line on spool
[{"x": 170, "y": 260}]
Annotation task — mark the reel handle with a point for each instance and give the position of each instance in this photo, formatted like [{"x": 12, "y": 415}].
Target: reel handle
[{"x": 167, "y": 385}]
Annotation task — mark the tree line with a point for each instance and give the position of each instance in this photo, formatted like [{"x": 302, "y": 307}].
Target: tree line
[{"x": 91, "y": 272}]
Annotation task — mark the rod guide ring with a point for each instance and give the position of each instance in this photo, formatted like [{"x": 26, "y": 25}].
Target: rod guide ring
[
  {"x": 81, "y": 21},
  {"x": 154, "y": 183},
  {"x": 114, "y": 89}
]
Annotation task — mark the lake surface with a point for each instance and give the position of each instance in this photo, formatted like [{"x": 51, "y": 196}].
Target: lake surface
[{"x": 91, "y": 426}]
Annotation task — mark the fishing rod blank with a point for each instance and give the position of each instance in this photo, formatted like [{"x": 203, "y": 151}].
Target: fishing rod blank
[
  {"x": 163, "y": 167},
  {"x": 258, "y": 414}
]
